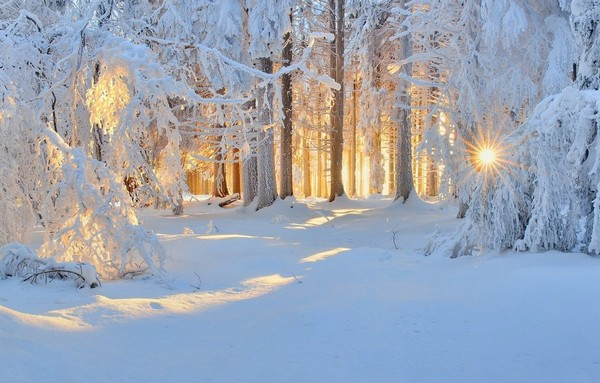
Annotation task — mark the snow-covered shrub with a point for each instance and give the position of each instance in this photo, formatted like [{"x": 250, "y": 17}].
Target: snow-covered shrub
[
  {"x": 17, "y": 260},
  {"x": 90, "y": 219}
]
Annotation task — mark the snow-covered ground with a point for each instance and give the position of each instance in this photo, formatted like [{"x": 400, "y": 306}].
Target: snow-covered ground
[{"x": 307, "y": 291}]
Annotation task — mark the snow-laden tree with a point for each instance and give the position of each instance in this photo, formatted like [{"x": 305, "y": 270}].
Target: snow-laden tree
[
  {"x": 380, "y": 45},
  {"x": 268, "y": 23},
  {"x": 403, "y": 176},
  {"x": 91, "y": 219},
  {"x": 465, "y": 56},
  {"x": 370, "y": 45},
  {"x": 565, "y": 215},
  {"x": 16, "y": 204},
  {"x": 549, "y": 201},
  {"x": 80, "y": 202}
]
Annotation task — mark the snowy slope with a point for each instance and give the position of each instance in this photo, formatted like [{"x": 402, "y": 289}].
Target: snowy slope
[{"x": 307, "y": 291}]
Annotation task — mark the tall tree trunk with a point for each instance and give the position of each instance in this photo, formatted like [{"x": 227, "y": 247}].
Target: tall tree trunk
[
  {"x": 404, "y": 174},
  {"x": 285, "y": 162},
  {"x": 337, "y": 127},
  {"x": 391, "y": 170},
  {"x": 220, "y": 179},
  {"x": 375, "y": 167},
  {"x": 267, "y": 188},
  {"x": 306, "y": 164},
  {"x": 352, "y": 159},
  {"x": 320, "y": 171},
  {"x": 250, "y": 178},
  {"x": 326, "y": 168},
  {"x": 432, "y": 186},
  {"x": 235, "y": 173}
]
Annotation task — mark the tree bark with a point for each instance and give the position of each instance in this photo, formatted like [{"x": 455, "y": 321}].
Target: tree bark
[
  {"x": 337, "y": 120},
  {"x": 306, "y": 164},
  {"x": 267, "y": 188},
  {"x": 235, "y": 173},
  {"x": 285, "y": 162},
  {"x": 250, "y": 176},
  {"x": 352, "y": 159},
  {"x": 220, "y": 179},
  {"x": 404, "y": 175}
]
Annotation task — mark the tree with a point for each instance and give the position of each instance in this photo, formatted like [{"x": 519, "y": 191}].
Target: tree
[
  {"x": 403, "y": 175},
  {"x": 337, "y": 11},
  {"x": 285, "y": 160},
  {"x": 268, "y": 23},
  {"x": 517, "y": 202}
]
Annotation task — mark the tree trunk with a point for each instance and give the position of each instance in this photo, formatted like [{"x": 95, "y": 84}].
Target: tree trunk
[
  {"x": 177, "y": 208},
  {"x": 219, "y": 176},
  {"x": 285, "y": 163},
  {"x": 352, "y": 159},
  {"x": 306, "y": 164},
  {"x": 235, "y": 173},
  {"x": 375, "y": 167},
  {"x": 250, "y": 176},
  {"x": 337, "y": 121},
  {"x": 404, "y": 174},
  {"x": 431, "y": 187},
  {"x": 267, "y": 188}
]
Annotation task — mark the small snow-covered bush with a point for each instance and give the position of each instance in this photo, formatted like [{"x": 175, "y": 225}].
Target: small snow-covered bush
[
  {"x": 91, "y": 220},
  {"x": 17, "y": 260}
]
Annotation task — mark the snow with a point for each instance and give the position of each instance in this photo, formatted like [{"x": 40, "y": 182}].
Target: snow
[{"x": 310, "y": 291}]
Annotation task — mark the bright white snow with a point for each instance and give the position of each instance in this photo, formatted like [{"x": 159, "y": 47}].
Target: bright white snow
[{"x": 308, "y": 291}]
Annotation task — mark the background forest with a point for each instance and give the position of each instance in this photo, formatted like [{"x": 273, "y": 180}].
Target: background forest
[{"x": 110, "y": 105}]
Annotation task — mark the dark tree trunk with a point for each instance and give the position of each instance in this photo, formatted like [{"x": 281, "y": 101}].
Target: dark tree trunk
[
  {"x": 337, "y": 120},
  {"x": 285, "y": 161}
]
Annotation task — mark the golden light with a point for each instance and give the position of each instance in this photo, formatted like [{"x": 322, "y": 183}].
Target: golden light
[
  {"x": 108, "y": 97},
  {"x": 486, "y": 157},
  {"x": 489, "y": 156}
]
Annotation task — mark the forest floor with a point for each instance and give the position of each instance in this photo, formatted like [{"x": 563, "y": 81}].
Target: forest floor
[{"x": 308, "y": 291}]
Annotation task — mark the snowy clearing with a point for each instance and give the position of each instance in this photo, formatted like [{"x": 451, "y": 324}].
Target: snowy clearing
[{"x": 308, "y": 291}]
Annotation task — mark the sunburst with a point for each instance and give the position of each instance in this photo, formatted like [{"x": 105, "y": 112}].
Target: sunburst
[{"x": 489, "y": 156}]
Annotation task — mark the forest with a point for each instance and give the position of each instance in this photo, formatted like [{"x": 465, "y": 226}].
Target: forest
[
  {"x": 112, "y": 105},
  {"x": 299, "y": 190}
]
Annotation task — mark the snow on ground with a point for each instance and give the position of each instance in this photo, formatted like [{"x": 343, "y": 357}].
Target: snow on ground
[{"x": 307, "y": 291}]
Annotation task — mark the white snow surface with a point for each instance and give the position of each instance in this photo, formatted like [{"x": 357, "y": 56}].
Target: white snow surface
[{"x": 310, "y": 291}]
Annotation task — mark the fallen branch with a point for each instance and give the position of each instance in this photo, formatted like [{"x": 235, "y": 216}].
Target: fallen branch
[
  {"x": 57, "y": 272},
  {"x": 232, "y": 198}
]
